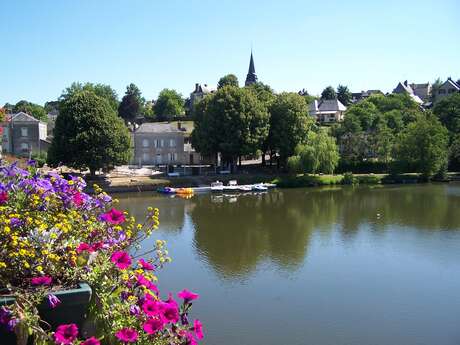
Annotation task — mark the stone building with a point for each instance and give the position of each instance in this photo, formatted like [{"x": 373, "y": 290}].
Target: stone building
[{"x": 327, "y": 111}]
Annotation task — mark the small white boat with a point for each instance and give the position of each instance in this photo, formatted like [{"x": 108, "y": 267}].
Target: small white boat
[
  {"x": 217, "y": 186},
  {"x": 259, "y": 188},
  {"x": 245, "y": 188}
]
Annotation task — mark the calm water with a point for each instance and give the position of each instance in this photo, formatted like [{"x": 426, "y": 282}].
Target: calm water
[{"x": 312, "y": 266}]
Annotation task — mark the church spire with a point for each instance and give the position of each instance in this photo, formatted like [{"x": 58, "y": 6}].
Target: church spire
[{"x": 251, "y": 77}]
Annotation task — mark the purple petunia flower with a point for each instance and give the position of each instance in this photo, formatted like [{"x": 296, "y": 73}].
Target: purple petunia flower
[
  {"x": 121, "y": 259},
  {"x": 43, "y": 280},
  {"x": 91, "y": 341},
  {"x": 66, "y": 334},
  {"x": 127, "y": 335},
  {"x": 53, "y": 301},
  {"x": 187, "y": 295}
]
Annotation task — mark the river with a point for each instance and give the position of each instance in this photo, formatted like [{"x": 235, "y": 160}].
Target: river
[{"x": 322, "y": 266}]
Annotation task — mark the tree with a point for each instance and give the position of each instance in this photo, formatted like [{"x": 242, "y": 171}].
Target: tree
[
  {"x": 384, "y": 144},
  {"x": 101, "y": 90},
  {"x": 365, "y": 112},
  {"x": 229, "y": 79},
  {"x": 344, "y": 95},
  {"x": 289, "y": 124},
  {"x": 448, "y": 112},
  {"x": 35, "y": 110},
  {"x": 2, "y": 115},
  {"x": 328, "y": 93},
  {"x": 168, "y": 105},
  {"x": 435, "y": 88},
  {"x": 89, "y": 134},
  {"x": 52, "y": 107},
  {"x": 422, "y": 145},
  {"x": 318, "y": 155},
  {"x": 132, "y": 104},
  {"x": 232, "y": 121},
  {"x": 454, "y": 153}
]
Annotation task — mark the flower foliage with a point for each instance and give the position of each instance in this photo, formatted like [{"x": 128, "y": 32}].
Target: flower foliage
[{"x": 54, "y": 236}]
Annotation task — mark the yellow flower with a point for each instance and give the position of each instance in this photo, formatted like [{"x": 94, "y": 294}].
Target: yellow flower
[
  {"x": 2, "y": 264},
  {"x": 39, "y": 268}
]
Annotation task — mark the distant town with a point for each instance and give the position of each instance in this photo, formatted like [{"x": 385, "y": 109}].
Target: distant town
[{"x": 221, "y": 126}]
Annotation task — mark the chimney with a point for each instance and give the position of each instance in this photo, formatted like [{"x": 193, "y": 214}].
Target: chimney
[
  {"x": 196, "y": 87},
  {"x": 179, "y": 125},
  {"x": 405, "y": 82}
]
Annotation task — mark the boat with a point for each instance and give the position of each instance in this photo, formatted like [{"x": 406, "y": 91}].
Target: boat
[
  {"x": 217, "y": 186},
  {"x": 166, "y": 190},
  {"x": 245, "y": 188},
  {"x": 259, "y": 188},
  {"x": 184, "y": 191}
]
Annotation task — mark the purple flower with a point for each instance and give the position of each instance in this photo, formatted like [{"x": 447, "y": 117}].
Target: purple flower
[
  {"x": 147, "y": 283},
  {"x": 66, "y": 334},
  {"x": 134, "y": 310},
  {"x": 113, "y": 217},
  {"x": 53, "y": 301},
  {"x": 127, "y": 335},
  {"x": 5, "y": 315},
  {"x": 151, "y": 326},
  {"x": 121, "y": 259},
  {"x": 3, "y": 198},
  {"x": 187, "y": 295},
  {"x": 198, "y": 328},
  {"x": 146, "y": 265}
]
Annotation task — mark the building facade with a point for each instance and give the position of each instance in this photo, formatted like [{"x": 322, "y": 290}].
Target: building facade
[
  {"x": 404, "y": 87},
  {"x": 449, "y": 87},
  {"x": 327, "y": 111},
  {"x": 23, "y": 134}
]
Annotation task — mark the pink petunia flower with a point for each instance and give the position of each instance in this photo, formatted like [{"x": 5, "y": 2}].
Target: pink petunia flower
[
  {"x": 170, "y": 310},
  {"x": 121, "y": 259},
  {"x": 3, "y": 198},
  {"x": 198, "y": 328},
  {"x": 147, "y": 283},
  {"x": 187, "y": 295},
  {"x": 146, "y": 265},
  {"x": 151, "y": 308},
  {"x": 66, "y": 334},
  {"x": 191, "y": 339},
  {"x": 84, "y": 247},
  {"x": 127, "y": 335},
  {"x": 113, "y": 217},
  {"x": 91, "y": 341},
  {"x": 77, "y": 199},
  {"x": 151, "y": 326},
  {"x": 43, "y": 280}
]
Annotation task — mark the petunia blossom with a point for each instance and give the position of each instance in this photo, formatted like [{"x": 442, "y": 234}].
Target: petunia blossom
[
  {"x": 151, "y": 308},
  {"x": 84, "y": 247},
  {"x": 187, "y": 295},
  {"x": 121, "y": 259},
  {"x": 53, "y": 301},
  {"x": 198, "y": 328},
  {"x": 152, "y": 326},
  {"x": 147, "y": 283},
  {"x": 91, "y": 341},
  {"x": 146, "y": 265},
  {"x": 66, "y": 334},
  {"x": 113, "y": 217},
  {"x": 3, "y": 197},
  {"x": 127, "y": 335},
  {"x": 43, "y": 280},
  {"x": 170, "y": 311}
]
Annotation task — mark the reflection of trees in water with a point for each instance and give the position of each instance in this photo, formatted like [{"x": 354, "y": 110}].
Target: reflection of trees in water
[
  {"x": 278, "y": 226},
  {"x": 171, "y": 211}
]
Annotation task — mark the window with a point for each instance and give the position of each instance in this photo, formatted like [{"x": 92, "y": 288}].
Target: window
[
  {"x": 173, "y": 157},
  {"x": 442, "y": 91},
  {"x": 145, "y": 143},
  {"x": 451, "y": 90},
  {"x": 172, "y": 142},
  {"x": 156, "y": 143},
  {"x": 162, "y": 143},
  {"x": 24, "y": 147},
  {"x": 158, "y": 160},
  {"x": 145, "y": 157},
  {"x": 24, "y": 131}
]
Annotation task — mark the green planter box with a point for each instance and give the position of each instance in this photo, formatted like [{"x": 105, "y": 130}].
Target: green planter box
[{"x": 73, "y": 309}]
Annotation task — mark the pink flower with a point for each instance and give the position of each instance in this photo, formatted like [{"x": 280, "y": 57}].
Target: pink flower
[
  {"x": 191, "y": 339},
  {"x": 170, "y": 310},
  {"x": 151, "y": 308},
  {"x": 151, "y": 326},
  {"x": 43, "y": 280},
  {"x": 77, "y": 199},
  {"x": 53, "y": 301},
  {"x": 96, "y": 246},
  {"x": 146, "y": 265},
  {"x": 91, "y": 341},
  {"x": 147, "y": 283},
  {"x": 121, "y": 259},
  {"x": 127, "y": 335},
  {"x": 82, "y": 247},
  {"x": 198, "y": 328},
  {"x": 113, "y": 217},
  {"x": 187, "y": 295},
  {"x": 3, "y": 198},
  {"x": 66, "y": 334}
]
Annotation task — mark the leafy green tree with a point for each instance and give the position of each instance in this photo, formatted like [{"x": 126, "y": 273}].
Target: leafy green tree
[
  {"x": 308, "y": 98},
  {"x": 435, "y": 89},
  {"x": 454, "y": 153},
  {"x": 328, "y": 93},
  {"x": 229, "y": 79},
  {"x": 384, "y": 143},
  {"x": 2, "y": 115},
  {"x": 89, "y": 134},
  {"x": 52, "y": 107},
  {"x": 289, "y": 124},
  {"x": 132, "y": 104},
  {"x": 35, "y": 110},
  {"x": 423, "y": 145},
  {"x": 344, "y": 95},
  {"x": 448, "y": 112},
  {"x": 169, "y": 104},
  {"x": 232, "y": 121},
  {"x": 101, "y": 90},
  {"x": 318, "y": 155},
  {"x": 365, "y": 112}
]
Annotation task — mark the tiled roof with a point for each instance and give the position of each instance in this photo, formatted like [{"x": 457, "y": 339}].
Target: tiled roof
[
  {"x": 23, "y": 117},
  {"x": 157, "y": 127},
  {"x": 331, "y": 105}
]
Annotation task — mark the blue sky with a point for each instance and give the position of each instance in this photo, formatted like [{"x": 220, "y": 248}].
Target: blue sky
[{"x": 46, "y": 45}]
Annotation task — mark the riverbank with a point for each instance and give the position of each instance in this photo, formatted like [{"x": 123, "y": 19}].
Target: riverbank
[{"x": 145, "y": 183}]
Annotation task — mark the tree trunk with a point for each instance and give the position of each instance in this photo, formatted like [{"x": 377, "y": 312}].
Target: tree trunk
[{"x": 263, "y": 159}]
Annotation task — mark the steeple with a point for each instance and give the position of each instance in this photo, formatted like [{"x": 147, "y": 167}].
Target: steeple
[{"x": 251, "y": 77}]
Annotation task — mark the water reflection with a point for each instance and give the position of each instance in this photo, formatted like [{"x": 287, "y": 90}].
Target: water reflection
[{"x": 235, "y": 236}]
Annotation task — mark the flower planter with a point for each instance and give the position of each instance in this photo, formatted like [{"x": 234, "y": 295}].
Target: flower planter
[{"x": 72, "y": 309}]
